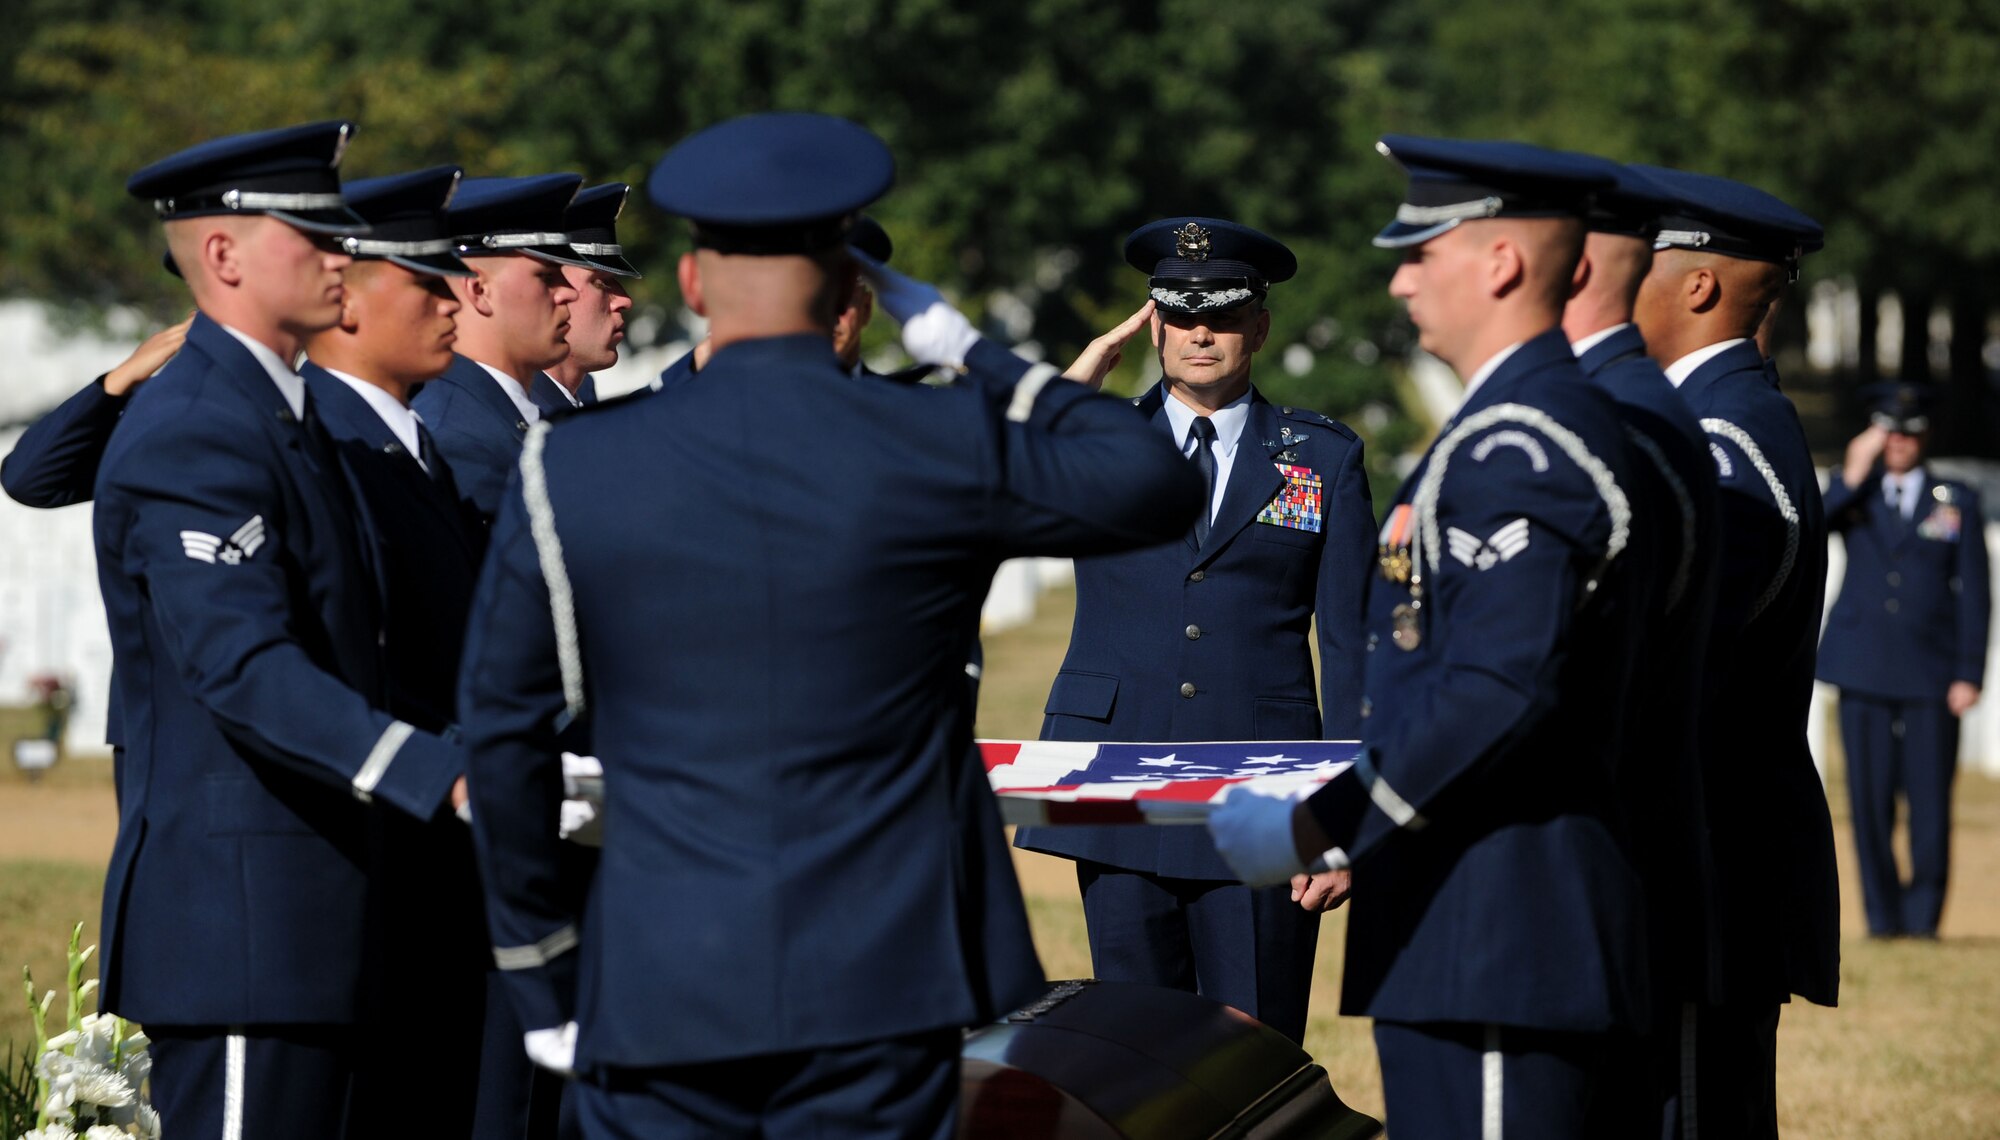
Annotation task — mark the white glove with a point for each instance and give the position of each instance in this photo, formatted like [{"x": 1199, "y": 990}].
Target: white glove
[
  {"x": 1253, "y": 832},
  {"x": 579, "y": 823},
  {"x": 553, "y": 1049},
  {"x": 933, "y": 331}
]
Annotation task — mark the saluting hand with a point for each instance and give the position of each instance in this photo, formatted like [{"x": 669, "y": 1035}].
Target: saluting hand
[
  {"x": 1102, "y": 355},
  {"x": 151, "y": 356},
  {"x": 1862, "y": 451}
]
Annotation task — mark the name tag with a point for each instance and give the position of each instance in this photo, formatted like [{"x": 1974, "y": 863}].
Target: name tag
[{"x": 1298, "y": 505}]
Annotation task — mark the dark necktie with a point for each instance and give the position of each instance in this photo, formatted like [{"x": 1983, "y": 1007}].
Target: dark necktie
[
  {"x": 1204, "y": 458},
  {"x": 427, "y": 451}
]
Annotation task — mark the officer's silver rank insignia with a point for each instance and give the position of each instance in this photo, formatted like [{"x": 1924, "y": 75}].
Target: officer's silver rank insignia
[
  {"x": 203, "y": 547},
  {"x": 1404, "y": 629},
  {"x": 1943, "y": 494},
  {"x": 1485, "y": 554},
  {"x": 1191, "y": 243}
]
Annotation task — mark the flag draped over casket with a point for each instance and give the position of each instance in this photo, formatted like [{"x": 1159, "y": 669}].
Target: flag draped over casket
[{"x": 1042, "y": 782}]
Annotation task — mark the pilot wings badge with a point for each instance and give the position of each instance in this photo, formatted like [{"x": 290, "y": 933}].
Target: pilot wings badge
[
  {"x": 1485, "y": 554},
  {"x": 204, "y": 547}
]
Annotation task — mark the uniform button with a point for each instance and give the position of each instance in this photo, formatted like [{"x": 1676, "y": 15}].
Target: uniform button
[
  {"x": 1892, "y": 605},
  {"x": 1367, "y": 706},
  {"x": 1372, "y": 639},
  {"x": 1197, "y": 576},
  {"x": 1187, "y": 688},
  {"x": 381, "y": 638},
  {"x": 1895, "y": 578},
  {"x": 1194, "y": 633}
]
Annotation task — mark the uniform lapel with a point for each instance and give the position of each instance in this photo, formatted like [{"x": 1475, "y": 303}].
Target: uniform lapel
[
  {"x": 1253, "y": 478},
  {"x": 346, "y": 413},
  {"x": 483, "y": 388}
]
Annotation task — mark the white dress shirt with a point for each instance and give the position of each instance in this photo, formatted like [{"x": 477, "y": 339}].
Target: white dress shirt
[
  {"x": 529, "y": 412},
  {"x": 1681, "y": 369},
  {"x": 1579, "y": 347},
  {"x": 574, "y": 402},
  {"x": 1902, "y": 491},
  {"x": 394, "y": 412},
  {"x": 290, "y": 384},
  {"x": 1228, "y": 420}
]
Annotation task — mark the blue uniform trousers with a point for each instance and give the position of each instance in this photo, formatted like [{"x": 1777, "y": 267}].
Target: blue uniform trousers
[
  {"x": 518, "y": 1100},
  {"x": 1908, "y": 747},
  {"x": 1250, "y": 948},
  {"x": 1443, "y": 1080},
  {"x": 265, "y": 1080},
  {"x": 1729, "y": 1072},
  {"x": 904, "y": 1088}
]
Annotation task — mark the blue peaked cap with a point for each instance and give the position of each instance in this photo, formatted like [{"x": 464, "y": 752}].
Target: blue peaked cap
[
  {"x": 1723, "y": 216},
  {"x": 868, "y": 236},
  {"x": 778, "y": 183},
  {"x": 406, "y": 220},
  {"x": 1206, "y": 265},
  {"x": 291, "y": 173},
  {"x": 592, "y": 224},
  {"x": 493, "y": 216},
  {"x": 1901, "y": 406},
  {"x": 1459, "y": 180}
]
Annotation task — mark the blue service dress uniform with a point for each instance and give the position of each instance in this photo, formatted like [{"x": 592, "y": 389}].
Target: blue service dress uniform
[
  {"x": 1777, "y": 927},
  {"x": 54, "y": 463},
  {"x": 1497, "y": 927},
  {"x": 429, "y": 544},
  {"x": 247, "y": 627},
  {"x": 549, "y": 396},
  {"x": 1910, "y": 620},
  {"x": 793, "y": 817},
  {"x": 478, "y": 429},
  {"x": 1177, "y": 643},
  {"x": 1675, "y": 500}
]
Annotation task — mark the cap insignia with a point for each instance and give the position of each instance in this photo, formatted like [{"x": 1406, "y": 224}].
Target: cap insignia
[{"x": 1191, "y": 243}]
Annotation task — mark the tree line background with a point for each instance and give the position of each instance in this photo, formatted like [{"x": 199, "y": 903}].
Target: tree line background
[{"x": 1032, "y": 135}]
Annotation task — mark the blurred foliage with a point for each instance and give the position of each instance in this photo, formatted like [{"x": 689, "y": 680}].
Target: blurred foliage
[{"x": 1032, "y": 136}]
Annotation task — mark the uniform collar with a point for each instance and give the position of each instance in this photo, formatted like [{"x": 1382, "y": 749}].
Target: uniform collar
[
  {"x": 1599, "y": 337},
  {"x": 516, "y": 395},
  {"x": 396, "y": 414},
  {"x": 288, "y": 382},
  {"x": 1679, "y": 371},
  {"x": 1486, "y": 372},
  {"x": 1228, "y": 420},
  {"x": 1909, "y": 487}
]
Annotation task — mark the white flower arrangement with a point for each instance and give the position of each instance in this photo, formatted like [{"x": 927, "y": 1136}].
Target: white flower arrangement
[{"x": 91, "y": 1078}]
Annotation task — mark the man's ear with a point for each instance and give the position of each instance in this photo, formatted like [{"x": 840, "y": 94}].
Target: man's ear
[
  {"x": 689, "y": 275},
  {"x": 221, "y": 256},
  {"x": 1506, "y": 268},
  {"x": 1580, "y": 279},
  {"x": 473, "y": 293},
  {"x": 1153, "y": 327},
  {"x": 1701, "y": 290}
]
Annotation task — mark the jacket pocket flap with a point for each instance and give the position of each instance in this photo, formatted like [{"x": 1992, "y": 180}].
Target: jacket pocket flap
[{"x": 1082, "y": 694}]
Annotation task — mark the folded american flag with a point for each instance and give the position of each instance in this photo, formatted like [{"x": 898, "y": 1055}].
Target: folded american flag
[{"x": 1041, "y": 782}]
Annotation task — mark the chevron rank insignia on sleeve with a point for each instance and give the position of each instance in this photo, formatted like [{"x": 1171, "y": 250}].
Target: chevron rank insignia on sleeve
[
  {"x": 203, "y": 547},
  {"x": 1485, "y": 554}
]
